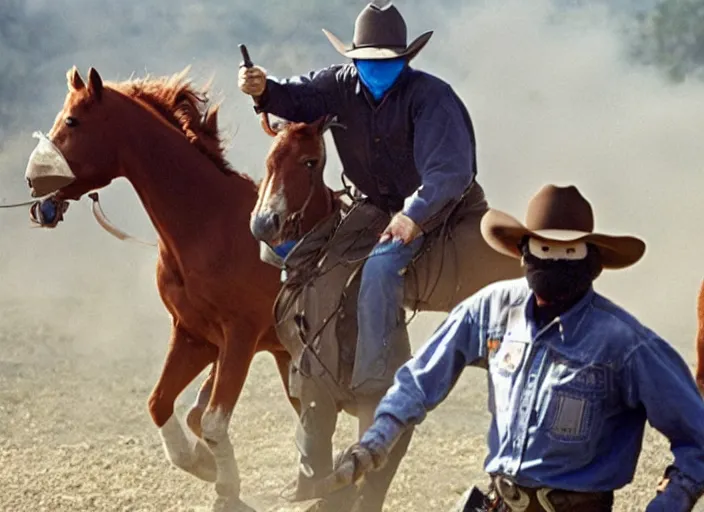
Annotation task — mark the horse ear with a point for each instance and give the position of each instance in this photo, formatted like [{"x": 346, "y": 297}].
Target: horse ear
[
  {"x": 95, "y": 84},
  {"x": 74, "y": 80}
]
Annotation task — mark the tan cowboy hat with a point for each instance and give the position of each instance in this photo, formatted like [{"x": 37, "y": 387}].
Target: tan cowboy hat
[
  {"x": 379, "y": 33},
  {"x": 559, "y": 214}
]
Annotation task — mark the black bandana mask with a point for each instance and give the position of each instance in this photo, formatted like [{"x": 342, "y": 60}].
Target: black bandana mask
[{"x": 561, "y": 281}]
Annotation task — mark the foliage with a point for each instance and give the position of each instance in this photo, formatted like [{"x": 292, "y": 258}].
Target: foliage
[{"x": 671, "y": 37}]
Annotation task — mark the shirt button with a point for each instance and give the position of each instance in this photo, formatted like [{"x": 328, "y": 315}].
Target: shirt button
[{"x": 377, "y": 139}]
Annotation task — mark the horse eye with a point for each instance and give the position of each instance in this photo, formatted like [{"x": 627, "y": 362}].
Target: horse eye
[
  {"x": 71, "y": 121},
  {"x": 311, "y": 163}
]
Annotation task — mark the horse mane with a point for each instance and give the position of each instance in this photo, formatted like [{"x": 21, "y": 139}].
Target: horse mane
[{"x": 184, "y": 107}]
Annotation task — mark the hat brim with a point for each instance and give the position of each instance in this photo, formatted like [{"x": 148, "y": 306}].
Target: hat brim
[
  {"x": 378, "y": 53},
  {"x": 503, "y": 233}
]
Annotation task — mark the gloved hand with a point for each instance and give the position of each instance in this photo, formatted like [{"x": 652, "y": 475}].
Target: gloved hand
[
  {"x": 676, "y": 493},
  {"x": 370, "y": 453},
  {"x": 252, "y": 80}
]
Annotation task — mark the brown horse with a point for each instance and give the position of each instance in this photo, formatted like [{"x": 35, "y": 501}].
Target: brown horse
[
  {"x": 293, "y": 200},
  {"x": 700, "y": 339},
  {"x": 161, "y": 135}
]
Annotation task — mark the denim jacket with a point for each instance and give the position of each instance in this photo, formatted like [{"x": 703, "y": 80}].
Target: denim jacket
[{"x": 568, "y": 401}]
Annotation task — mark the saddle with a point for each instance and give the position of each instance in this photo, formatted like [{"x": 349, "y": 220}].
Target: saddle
[{"x": 316, "y": 310}]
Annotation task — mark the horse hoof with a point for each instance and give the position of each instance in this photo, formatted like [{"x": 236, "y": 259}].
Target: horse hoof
[
  {"x": 204, "y": 466},
  {"x": 229, "y": 504}
]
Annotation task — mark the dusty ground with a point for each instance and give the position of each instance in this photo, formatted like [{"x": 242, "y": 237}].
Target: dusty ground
[{"x": 75, "y": 434}]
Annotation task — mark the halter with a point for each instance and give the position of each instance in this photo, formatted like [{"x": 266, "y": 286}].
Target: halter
[{"x": 293, "y": 220}]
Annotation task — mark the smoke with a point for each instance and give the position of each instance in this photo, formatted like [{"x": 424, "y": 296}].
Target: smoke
[{"x": 550, "y": 88}]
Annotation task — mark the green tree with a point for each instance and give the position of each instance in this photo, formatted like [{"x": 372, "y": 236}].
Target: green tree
[{"x": 671, "y": 37}]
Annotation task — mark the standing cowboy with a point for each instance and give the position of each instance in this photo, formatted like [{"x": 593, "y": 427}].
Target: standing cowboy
[
  {"x": 573, "y": 378},
  {"x": 408, "y": 146}
]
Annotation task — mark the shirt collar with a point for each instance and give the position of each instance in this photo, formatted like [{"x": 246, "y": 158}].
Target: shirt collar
[{"x": 568, "y": 322}]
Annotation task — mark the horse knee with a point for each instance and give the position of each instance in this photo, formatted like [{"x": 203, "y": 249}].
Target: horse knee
[{"x": 159, "y": 409}]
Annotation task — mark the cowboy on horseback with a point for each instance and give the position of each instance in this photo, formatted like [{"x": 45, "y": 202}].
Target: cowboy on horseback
[
  {"x": 407, "y": 144},
  {"x": 573, "y": 378}
]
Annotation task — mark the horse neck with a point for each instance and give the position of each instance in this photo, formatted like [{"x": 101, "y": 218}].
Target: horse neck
[{"x": 181, "y": 189}]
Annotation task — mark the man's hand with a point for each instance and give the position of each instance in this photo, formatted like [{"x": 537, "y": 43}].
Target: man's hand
[
  {"x": 252, "y": 80},
  {"x": 369, "y": 454},
  {"x": 675, "y": 493},
  {"x": 401, "y": 228},
  {"x": 357, "y": 460}
]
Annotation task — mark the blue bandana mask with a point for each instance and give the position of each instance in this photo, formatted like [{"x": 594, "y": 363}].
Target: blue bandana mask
[{"x": 379, "y": 75}]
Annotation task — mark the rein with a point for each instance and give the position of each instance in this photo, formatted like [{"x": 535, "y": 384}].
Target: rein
[
  {"x": 108, "y": 226},
  {"x": 293, "y": 220},
  {"x": 17, "y": 205}
]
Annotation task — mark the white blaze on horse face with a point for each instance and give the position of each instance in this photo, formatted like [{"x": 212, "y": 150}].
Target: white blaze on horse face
[
  {"x": 273, "y": 200},
  {"x": 549, "y": 250}
]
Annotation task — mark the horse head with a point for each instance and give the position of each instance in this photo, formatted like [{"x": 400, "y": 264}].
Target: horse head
[
  {"x": 293, "y": 196},
  {"x": 80, "y": 153}
]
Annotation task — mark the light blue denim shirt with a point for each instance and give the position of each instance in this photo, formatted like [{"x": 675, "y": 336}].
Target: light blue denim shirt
[{"x": 568, "y": 402}]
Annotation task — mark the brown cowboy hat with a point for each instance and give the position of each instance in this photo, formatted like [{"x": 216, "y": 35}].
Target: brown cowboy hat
[
  {"x": 379, "y": 33},
  {"x": 559, "y": 214}
]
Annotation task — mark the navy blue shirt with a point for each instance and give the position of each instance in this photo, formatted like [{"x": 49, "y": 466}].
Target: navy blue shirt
[{"x": 414, "y": 151}]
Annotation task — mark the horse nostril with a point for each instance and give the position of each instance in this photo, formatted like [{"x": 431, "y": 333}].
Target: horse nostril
[
  {"x": 276, "y": 221},
  {"x": 29, "y": 182}
]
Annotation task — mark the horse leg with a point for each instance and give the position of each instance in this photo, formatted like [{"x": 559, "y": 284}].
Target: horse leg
[
  {"x": 375, "y": 485},
  {"x": 700, "y": 340},
  {"x": 283, "y": 360},
  {"x": 195, "y": 414},
  {"x": 233, "y": 362},
  {"x": 185, "y": 359}
]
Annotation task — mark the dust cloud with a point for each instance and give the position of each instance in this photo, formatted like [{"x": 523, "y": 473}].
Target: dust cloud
[{"x": 553, "y": 96}]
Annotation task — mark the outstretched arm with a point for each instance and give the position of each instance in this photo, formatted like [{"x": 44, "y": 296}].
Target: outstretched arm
[
  {"x": 304, "y": 98},
  {"x": 420, "y": 385}
]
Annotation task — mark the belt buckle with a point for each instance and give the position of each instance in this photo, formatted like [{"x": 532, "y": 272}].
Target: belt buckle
[{"x": 513, "y": 496}]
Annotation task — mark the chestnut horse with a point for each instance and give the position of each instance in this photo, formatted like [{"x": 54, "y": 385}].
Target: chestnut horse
[
  {"x": 700, "y": 339},
  {"x": 293, "y": 200},
  {"x": 161, "y": 135}
]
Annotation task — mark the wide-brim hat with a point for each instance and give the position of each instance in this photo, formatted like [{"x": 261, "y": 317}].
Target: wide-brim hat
[
  {"x": 559, "y": 214},
  {"x": 379, "y": 33}
]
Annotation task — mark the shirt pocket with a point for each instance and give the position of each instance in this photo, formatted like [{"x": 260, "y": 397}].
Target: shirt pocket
[
  {"x": 504, "y": 366},
  {"x": 575, "y": 400}
]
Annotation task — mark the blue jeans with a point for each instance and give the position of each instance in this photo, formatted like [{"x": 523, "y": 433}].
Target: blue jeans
[{"x": 380, "y": 307}]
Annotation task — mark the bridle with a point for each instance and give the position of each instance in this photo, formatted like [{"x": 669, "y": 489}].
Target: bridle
[{"x": 292, "y": 223}]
